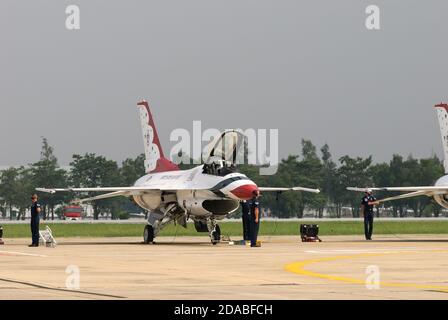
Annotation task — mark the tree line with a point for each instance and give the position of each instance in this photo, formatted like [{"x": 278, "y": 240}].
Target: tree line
[
  {"x": 314, "y": 169},
  {"x": 310, "y": 168},
  {"x": 17, "y": 184}
]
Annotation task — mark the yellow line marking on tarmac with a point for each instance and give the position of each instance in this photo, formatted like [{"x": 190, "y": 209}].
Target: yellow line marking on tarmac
[{"x": 299, "y": 268}]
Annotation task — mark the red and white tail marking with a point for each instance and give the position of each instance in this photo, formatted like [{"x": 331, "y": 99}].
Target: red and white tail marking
[{"x": 155, "y": 160}]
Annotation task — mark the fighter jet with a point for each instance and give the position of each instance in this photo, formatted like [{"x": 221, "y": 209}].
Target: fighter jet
[
  {"x": 205, "y": 194},
  {"x": 440, "y": 190}
]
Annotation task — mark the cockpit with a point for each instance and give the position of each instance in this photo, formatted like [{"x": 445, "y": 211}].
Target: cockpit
[
  {"x": 224, "y": 152},
  {"x": 219, "y": 167}
]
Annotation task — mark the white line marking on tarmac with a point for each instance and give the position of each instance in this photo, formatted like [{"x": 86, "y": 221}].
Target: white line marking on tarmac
[{"x": 15, "y": 253}]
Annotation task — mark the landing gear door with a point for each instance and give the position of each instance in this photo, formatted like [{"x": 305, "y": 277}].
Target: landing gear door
[{"x": 229, "y": 147}]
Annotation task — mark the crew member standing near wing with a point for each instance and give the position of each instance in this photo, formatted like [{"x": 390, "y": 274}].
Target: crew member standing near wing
[
  {"x": 367, "y": 203},
  {"x": 35, "y": 219},
  {"x": 254, "y": 218},
  {"x": 245, "y": 207}
]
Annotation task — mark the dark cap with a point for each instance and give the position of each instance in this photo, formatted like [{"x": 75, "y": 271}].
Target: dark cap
[{"x": 34, "y": 197}]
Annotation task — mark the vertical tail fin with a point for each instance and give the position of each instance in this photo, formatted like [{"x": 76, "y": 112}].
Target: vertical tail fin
[
  {"x": 155, "y": 160},
  {"x": 442, "y": 114}
]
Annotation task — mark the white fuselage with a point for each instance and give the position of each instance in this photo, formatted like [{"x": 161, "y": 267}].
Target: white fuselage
[{"x": 198, "y": 193}]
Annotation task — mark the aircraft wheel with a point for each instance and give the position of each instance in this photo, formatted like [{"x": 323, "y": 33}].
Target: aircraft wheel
[{"x": 148, "y": 234}]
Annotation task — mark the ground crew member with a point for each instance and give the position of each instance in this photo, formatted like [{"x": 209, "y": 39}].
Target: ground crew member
[
  {"x": 35, "y": 218},
  {"x": 254, "y": 218},
  {"x": 367, "y": 203},
  {"x": 245, "y": 207}
]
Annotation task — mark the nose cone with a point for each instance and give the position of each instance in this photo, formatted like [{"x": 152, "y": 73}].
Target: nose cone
[{"x": 245, "y": 192}]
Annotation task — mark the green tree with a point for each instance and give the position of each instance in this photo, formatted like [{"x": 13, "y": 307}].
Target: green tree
[
  {"x": 354, "y": 172},
  {"x": 132, "y": 169},
  {"x": 23, "y": 190},
  {"x": 289, "y": 203},
  {"x": 331, "y": 189},
  {"x": 380, "y": 174},
  {"x": 16, "y": 189},
  {"x": 284, "y": 205},
  {"x": 411, "y": 176},
  {"x": 397, "y": 179},
  {"x": 47, "y": 173},
  {"x": 8, "y": 189},
  {"x": 89, "y": 171},
  {"x": 430, "y": 170},
  {"x": 309, "y": 173}
]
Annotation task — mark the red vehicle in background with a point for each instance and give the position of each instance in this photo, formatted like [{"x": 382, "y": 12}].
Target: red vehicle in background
[{"x": 72, "y": 212}]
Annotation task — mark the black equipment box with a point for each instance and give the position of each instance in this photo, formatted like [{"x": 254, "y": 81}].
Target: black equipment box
[{"x": 309, "y": 232}]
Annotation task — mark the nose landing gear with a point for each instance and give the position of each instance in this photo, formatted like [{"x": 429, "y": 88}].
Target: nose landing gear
[{"x": 214, "y": 231}]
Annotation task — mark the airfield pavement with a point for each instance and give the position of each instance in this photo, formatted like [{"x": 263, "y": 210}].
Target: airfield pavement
[{"x": 409, "y": 267}]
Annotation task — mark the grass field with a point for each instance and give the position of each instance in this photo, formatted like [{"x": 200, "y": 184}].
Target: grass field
[{"x": 232, "y": 228}]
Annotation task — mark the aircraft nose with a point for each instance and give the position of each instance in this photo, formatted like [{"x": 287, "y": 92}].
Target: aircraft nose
[{"x": 244, "y": 192}]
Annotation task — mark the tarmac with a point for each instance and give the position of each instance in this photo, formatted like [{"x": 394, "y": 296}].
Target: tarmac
[{"x": 191, "y": 268}]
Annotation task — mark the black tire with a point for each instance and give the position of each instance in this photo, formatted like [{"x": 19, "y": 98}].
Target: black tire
[
  {"x": 216, "y": 235},
  {"x": 148, "y": 234}
]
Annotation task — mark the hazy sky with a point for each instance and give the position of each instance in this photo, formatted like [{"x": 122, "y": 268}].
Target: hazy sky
[{"x": 309, "y": 68}]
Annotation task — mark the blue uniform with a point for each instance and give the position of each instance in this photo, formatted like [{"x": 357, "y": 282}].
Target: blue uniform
[
  {"x": 254, "y": 203},
  {"x": 368, "y": 215},
  {"x": 245, "y": 206},
  {"x": 35, "y": 219}
]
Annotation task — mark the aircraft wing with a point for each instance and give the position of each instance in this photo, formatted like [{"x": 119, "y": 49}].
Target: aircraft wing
[
  {"x": 129, "y": 191},
  {"x": 276, "y": 189},
  {"x": 112, "y": 192},
  {"x": 364, "y": 189},
  {"x": 439, "y": 189},
  {"x": 411, "y": 191},
  {"x": 102, "y": 196},
  {"x": 407, "y": 195},
  {"x": 100, "y": 189}
]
